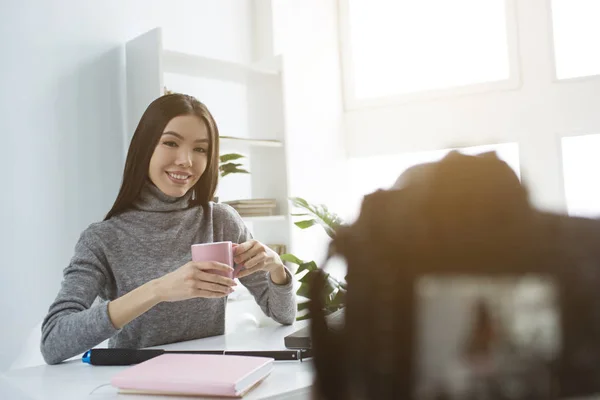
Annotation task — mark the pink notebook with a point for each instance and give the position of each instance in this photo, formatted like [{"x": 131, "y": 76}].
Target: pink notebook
[{"x": 194, "y": 374}]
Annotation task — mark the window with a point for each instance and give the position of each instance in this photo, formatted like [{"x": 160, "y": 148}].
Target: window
[
  {"x": 581, "y": 165},
  {"x": 576, "y": 37},
  {"x": 380, "y": 172},
  {"x": 395, "y": 47}
]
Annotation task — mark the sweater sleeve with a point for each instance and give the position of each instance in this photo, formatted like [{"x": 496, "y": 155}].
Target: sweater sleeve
[
  {"x": 72, "y": 325},
  {"x": 276, "y": 301}
]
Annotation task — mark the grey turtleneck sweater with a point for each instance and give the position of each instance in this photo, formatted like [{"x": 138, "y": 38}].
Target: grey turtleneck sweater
[{"x": 144, "y": 243}]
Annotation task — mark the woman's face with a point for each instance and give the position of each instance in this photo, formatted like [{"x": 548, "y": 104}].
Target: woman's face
[{"x": 181, "y": 155}]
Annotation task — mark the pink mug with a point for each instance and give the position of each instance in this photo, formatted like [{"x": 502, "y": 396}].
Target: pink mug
[{"x": 219, "y": 251}]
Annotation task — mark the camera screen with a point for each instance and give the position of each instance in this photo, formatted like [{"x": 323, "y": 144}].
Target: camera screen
[{"x": 486, "y": 337}]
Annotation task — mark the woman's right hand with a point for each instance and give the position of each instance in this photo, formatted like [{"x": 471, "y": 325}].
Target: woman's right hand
[{"x": 195, "y": 279}]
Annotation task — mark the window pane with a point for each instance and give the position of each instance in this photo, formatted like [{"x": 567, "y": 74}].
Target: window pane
[
  {"x": 576, "y": 37},
  {"x": 581, "y": 167},
  {"x": 404, "y": 46},
  {"x": 380, "y": 172}
]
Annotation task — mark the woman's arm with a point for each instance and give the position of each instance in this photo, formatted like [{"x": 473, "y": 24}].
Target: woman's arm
[
  {"x": 133, "y": 304},
  {"x": 191, "y": 280},
  {"x": 72, "y": 324},
  {"x": 272, "y": 291}
]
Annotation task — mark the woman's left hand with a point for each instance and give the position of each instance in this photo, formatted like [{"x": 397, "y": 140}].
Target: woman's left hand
[{"x": 255, "y": 256}]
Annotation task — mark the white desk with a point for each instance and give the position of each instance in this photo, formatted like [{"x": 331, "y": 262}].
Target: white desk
[{"x": 75, "y": 380}]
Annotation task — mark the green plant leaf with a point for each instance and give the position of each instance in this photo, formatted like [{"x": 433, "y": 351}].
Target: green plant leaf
[
  {"x": 332, "y": 295},
  {"x": 339, "y": 298},
  {"x": 330, "y": 286},
  {"x": 227, "y": 167},
  {"x": 306, "y": 224},
  {"x": 334, "y": 292},
  {"x": 307, "y": 266},
  {"x": 327, "y": 219},
  {"x": 230, "y": 157},
  {"x": 306, "y": 278},
  {"x": 303, "y": 317},
  {"x": 241, "y": 171},
  {"x": 303, "y": 306},
  {"x": 232, "y": 168},
  {"x": 300, "y": 202},
  {"x": 291, "y": 258},
  {"x": 330, "y": 232},
  {"x": 303, "y": 290}
]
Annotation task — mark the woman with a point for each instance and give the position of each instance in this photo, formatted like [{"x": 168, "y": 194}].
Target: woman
[{"x": 137, "y": 260}]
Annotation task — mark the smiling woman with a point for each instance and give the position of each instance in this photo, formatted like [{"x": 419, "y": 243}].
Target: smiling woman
[
  {"x": 168, "y": 139},
  {"x": 181, "y": 157},
  {"x": 138, "y": 260}
]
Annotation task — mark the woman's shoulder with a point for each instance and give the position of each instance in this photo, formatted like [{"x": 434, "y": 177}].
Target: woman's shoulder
[
  {"x": 227, "y": 223},
  {"x": 97, "y": 232},
  {"x": 224, "y": 213}
]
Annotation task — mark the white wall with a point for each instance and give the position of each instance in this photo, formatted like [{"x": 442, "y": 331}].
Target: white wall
[
  {"x": 306, "y": 35},
  {"x": 62, "y": 109},
  {"x": 535, "y": 116}
]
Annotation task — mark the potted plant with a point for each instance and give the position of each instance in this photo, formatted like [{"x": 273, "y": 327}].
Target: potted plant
[
  {"x": 335, "y": 291},
  {"x": 226, "y": 166}
]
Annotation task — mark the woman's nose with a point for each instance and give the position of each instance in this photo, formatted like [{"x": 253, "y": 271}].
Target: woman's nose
[{"x": 184, "y": 158}]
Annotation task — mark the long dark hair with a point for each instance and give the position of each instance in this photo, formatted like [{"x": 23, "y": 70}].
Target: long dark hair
[{"x": 144, "y": 141}]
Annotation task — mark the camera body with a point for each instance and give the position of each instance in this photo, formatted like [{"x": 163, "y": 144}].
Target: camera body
[{"x": 459, "y": 289}]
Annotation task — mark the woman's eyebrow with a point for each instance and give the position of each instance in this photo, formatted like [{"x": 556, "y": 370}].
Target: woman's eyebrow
[{"x": 177, "y": 135}]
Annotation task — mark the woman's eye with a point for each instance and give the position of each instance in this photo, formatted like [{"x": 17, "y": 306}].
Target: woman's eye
[
  {"x": 200, "y": 149},
  {"x": 170, "y": 144}
]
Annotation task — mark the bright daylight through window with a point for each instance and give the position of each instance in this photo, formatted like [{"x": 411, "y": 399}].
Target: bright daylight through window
[
  {"x": 380, "y": 172},
  {"x": 407, "y": 46},
  {"x": 576, "y": 31},
  {"x": 580, "y": 171}
]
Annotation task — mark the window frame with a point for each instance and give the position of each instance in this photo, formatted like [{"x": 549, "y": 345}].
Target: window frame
[{"x": 351, "y": 102}]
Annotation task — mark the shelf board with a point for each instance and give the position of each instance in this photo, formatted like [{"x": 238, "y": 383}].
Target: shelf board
[
  {"x": 265, "y": 218},
  {"x": 204, "y": 67},
  {"x": 250, "y": 142}
]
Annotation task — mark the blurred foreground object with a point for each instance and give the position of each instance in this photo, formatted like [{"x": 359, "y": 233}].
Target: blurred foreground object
[{"x": 459, "y": 289}]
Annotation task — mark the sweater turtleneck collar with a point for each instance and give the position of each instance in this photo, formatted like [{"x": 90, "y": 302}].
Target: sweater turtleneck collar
[{"x": 151, "y": 198}]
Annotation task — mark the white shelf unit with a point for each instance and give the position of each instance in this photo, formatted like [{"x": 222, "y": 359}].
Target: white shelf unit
[
  {"x": 265, "y": 218},
  {"x": 195, "y": 65},
  {"x": 247, "y": 103},
  {"x": 224, "y": 140}
]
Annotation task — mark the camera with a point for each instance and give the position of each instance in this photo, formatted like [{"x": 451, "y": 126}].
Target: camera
[{"x": 458, "y": 288}]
